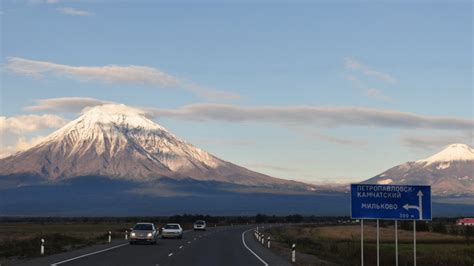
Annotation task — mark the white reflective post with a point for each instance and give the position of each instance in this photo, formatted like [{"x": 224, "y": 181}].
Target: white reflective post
[
  {"x": 362, "y": 242},
  {"x": 378, "y": 245},
  {"x": 293, "y": 253},
  {"x": 396, "y": 242},
  {"x": 110, "y": 236},
  {"x": 42, "y": 246},
  {"x": 414, "y": 242},
  {"x": 126, "y": 234},
  {"x": 268, "y": 241}
]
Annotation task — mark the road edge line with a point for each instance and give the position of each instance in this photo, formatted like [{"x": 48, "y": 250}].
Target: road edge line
[
  {"x": 88, "y": 254},
  {"x": 255, "y": 254}
]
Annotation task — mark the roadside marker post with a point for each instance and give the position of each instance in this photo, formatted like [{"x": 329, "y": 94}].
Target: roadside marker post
[
  {"x": 293, "y": 253},
  {"x": 42, "y": 246},
  {"x": 268, "y": 241},
  {"x": 126, "y": 234},
  {"x": 263, "y": 239},
  {"x": 110, "y": 236},
  {"x": 390, "y": 202}
]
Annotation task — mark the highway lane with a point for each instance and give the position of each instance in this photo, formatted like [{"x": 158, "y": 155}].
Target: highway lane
[{"x": 215, "y": 246}]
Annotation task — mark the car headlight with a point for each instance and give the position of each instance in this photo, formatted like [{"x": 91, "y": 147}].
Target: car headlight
[
  {"x": 149, "y": 235},
  {"x": 132, "y": 234}
]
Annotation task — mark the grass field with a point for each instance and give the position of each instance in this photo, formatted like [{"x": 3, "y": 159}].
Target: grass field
[
  {"x": 341, "y": 245},
  {"x": 22, "y": 239}
]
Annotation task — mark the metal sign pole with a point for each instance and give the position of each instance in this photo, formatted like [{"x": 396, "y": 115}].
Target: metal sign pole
[
  {"x": 378, "y": 247},
  {"x": 362, "y": 242},
  {"x": 414, "y": 242},
  {"x": 396, "y": 242}
]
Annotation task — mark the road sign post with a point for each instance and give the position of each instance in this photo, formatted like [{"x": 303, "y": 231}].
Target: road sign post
[
  {"x": 390, "y": 202},
  {"x": 396, "y": 242},
  {"x": 362, "y": 242},
  {"x": 378, "y": 244},
  {"x": 414, "y": 242}
]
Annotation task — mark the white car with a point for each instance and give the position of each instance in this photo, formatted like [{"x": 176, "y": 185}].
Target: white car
[
  {"x": 199, "y": 225},
  {"x": 143, "y": 232},
  {"x": 172, "y": 231}
]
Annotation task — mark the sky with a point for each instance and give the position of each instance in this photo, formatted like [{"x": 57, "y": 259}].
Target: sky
[{"x": 322, "y": 91}]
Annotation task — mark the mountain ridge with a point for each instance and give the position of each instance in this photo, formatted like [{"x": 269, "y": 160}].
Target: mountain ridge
[
  {"x": 118, "y": 141},
  {"x": 450, "y": 172}
]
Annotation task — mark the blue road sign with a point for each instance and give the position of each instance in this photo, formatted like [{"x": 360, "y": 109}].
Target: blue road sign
[{"x": 390, "y": 202}]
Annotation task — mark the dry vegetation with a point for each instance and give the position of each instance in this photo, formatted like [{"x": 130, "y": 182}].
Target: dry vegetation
[
  {"x": 387, "y": 234},
  {"x": 21, "y": 240},
  {"x": 341, "y": 245}
]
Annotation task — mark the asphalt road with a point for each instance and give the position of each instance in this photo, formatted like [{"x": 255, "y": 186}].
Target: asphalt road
[{"x": 234, "y": 245}]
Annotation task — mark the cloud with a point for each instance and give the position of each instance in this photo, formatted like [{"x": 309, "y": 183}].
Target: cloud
[
  {"x": 353, "y": 64},
  {"x": 65, "y": 104},
  {"x": 30, "y": 123},
  {"x": 313, "y": 115},
  {"x": 21, "y": 144},
  {"x": 336, "y": 140},
  {"x": 39, "y": 2},
  {"x": 114, "y": 74},
  {"x": 277, "y": 168},
  {"x": 367, "y": 91},
  {"x": 418, "y": 142},
  {"x": 74, "y": 12},
  {"x": 228, "y": 142},
  {"x": 108, "y": 74},
  {"x": 212, "y": 94}
]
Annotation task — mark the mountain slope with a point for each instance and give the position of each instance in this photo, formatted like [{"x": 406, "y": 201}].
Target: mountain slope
[
  {"x": 121, "y": 142},
  {"x": 449, "y": 172}
]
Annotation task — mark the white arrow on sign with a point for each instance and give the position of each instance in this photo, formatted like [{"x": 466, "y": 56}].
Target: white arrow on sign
[{"x": 419, "y": 207}]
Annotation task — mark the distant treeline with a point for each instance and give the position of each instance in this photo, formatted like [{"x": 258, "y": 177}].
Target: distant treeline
[
  {"x": 259, "y": 218},
  {"x": 183, "y": 218}
]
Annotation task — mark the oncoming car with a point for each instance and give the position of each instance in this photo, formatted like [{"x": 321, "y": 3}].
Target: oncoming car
[
  {"x": 199, "y": 225},
  {"x": 172, "y": 231},
  {"x": 143, "y": 232}
]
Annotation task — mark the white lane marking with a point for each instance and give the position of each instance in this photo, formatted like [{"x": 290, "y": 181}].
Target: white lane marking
[
  {"x": 89, "y": 254},
  {"x": 189, "y": 242},
  {"x": 171, "y": 254},
  {"x": 180, "y": 247},
  {"x": 255, "y": 254}
]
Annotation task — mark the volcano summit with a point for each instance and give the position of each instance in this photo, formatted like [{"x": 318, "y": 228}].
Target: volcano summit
[{"x": 120, "y": 142}]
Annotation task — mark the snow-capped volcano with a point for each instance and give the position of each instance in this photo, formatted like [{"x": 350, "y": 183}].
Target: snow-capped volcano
[
  {"x": 449, "y": 172},
  {"x": 121, "y": 142},
  {"x": 454, "y": 152}
]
